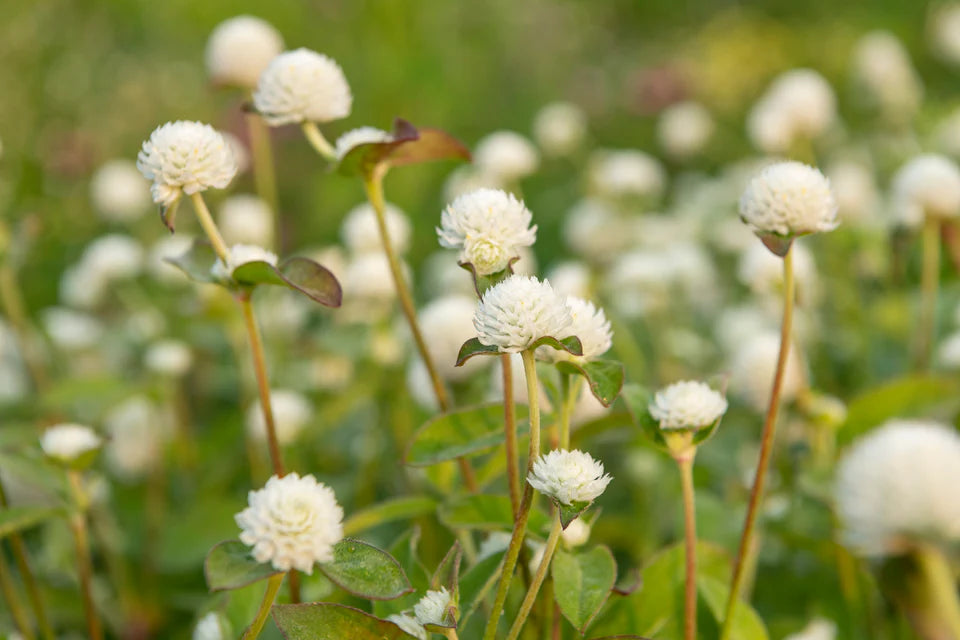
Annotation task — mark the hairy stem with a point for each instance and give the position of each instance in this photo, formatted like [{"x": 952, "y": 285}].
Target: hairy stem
[
  {"x": 510, "y": 432},
  {"x": 210, "y": 227},
  {"x": 685, "y": 463},
  {"x": 538, "y": 579},
  {"x": 929, "y": 284},
  {"x": 273, "y": 586}
]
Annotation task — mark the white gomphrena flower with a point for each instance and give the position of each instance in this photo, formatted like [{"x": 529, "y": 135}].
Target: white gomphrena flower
[
  {"x": 246, "y": 219},
  {"x": 818, "y": 629},
  {"x": 185, "y": 157},
  {"x": 507, "y": 155},
  {"x": 409, "y": 625},
  {"x": 855, "y": 189},
  {"x": 69, "y": 442},
  {"x": 569, "y": 477},
  {"x": 239, "y": 49},
  {"x": 896, "y": 487},
  {"x": 171, "y": 358},
  {"x": 368, "y": 289},
  {"x": 576, "y": 534},
  {"x": 883, "y": 70},
  {"x": 762, "y": 272},
  {"x": 241, "y": 254},
  {"x": 927, "y": 185},
  {"x": 168, "y": 247},
  {"x": 799, "y": 105},
  {"x": 595, "y": 231},
  {"x": 211, "y": 627},
  {"x": 571, "y": 278},
  {"x": 948, "y": 352},
  {"x": 448, "y": 321},
  {"x": 71, "y": 330},
  {"x": 489, "y": 227},
  {"x": 627, "y": 173},
  {"x": 240, "y": 153},
  {"x": 137, "y": 434},
  {"x": 789, "y": 199},
  {"x": 118, "y": 192},
  {"x": 302, "y": 86},
  {"x": 684, "y": 129},
  {"x": 753, "y": 367},
  {"x": 292, "y": 523},
  {"x": 113, "y": 257},
  {"x": 689, "y": 404},
  {"x": 944, "y": 32},
  {"x": 642, "y": 281},
  {"x": 291, "y": 413},
  {"x": 518, "y": 311},
  {"x": 947, "y": 135},
  {"x": 432, "y": 607},
  {"x": 590, "y": 324},
  {"x": 361, "y": 234},
  {"x": 560, "y": 128},
  {"x": 356, "y": 137}
]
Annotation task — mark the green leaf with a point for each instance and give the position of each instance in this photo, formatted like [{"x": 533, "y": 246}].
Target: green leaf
[
  {"x": 366, "y": 571},
  {"x": 448, "y": 571},
  {"x": 389, "y": 511},
  {"x": 15, "y": 519},
  {"x": 746, "y": 623},
  {"x": 197, "y": 262},
  {"x": 312, "y": 280},
  {"x": 462, "y": 432},
  {"x": 637, "y": 399},
  {"x": 250, "y": 274},
  {"x": 910, "y": 395},
  {"x": 482, "y": 283},
  {"x": 605, "y": 377},
  {"x": 486, "y": 512},
  {"x": 229, "y": 565},
  {"x": 570, "y": 344},
  {"x": 328, "y": 621},
  {"x": 476, "y": 583},
  {"x": 362, "y": 159},
  {"x": 473, "y": 347},
  {"x": 404, "y": 550},
  {"x": 582, "y": 583},
  {"x": 570, "y": 512}
]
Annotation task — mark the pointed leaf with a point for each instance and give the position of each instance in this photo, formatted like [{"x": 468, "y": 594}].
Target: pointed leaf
[
  {"x": 389, "y": 511},
  {"x": 482, "y": 283},
  {"x": 328, "y": 621},
  {"x": 312, "y": 280},
  {"x": 462, "y": 432},
  {"x": 582, "y": 583},
  {"x": 15, "y": 519},
  {"x": 777, "y": 244},
  {"x": 746, "y": 624},
  {"x": 257, "y": 272},
  {"x": 432, "y": 144},
  {"x": 605, "y": 377},
  {"x": 448, "y": 571},
  {"x": 196, "y": 262},
  {"x": 570, "y": 512},
  {"x": 570, "y": 344},
  {"x": 366, "y": 571},
  {"x": 168, "y": 215},
  {"x": 230, "y": 565},
  {"x": 362, "y": 159},
  {"x": 473, "y": 347},
  {"x": 638, "y": 399},
  {"x": 486, "y": 512}
]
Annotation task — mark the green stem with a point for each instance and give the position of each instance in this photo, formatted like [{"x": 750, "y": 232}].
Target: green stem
[
  {"x": 210, "y": 227},
  {"x": 685, "y": 463},
  {"x": 17, "y": 610},
  {"x": 78, "y": 527},
  {"x": 11, "y": 298},
  {"x": 264, "y": 175},
  {"x": 520, "y": 526},
  {"x": 941, "y": 588},
  {"x": 317, "y": 141},
  {"x": 766, "y": 447},
  {"x": 29, "y": 580},
  {"x": 538, "y": 579},
  {"x": 510, "y": 432},
  {"x": 929, "y": 284},
  {"x": 273, "y": 586}
]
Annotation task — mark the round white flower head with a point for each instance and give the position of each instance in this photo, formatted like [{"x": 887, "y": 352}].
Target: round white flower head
[
  {"x": 292, "y": 523},
  {"x": 118, "y": 192},
  {"x": 239, "y": 49},
  {"x": 753, "y": 367},
  {"x": 449, "y": 323},
  {"x": 590, "y": 324},
  {"x": 185, "y": 157},
  {"x": 71, "y": 330},
  {"x": 944, "y": 32},
  {"x": 68, "y": 442},
  {"x": 576, "y": 534},
  {"x": 571, "y": 278},
  {"x": 518, "y": 311},
  {"x": 789, "y": 198},
  {"x": 800, "y": 104},
  {"x": 211, "y": 627},
  {"x": 291, "y": 412},
  {"x": 361, "y": 135},
  {"x": 627, "y": 173},
  {"x": 169, "y": 358},
  {"x": 489, "y": 227},
  {"x": 432, "y": 607},
  {"x": 568, "y": 477},
  {"x": 896, "y": 486},
  {"x": 302, "y": 86},
  {"x": 241, "y": 254},
  {"x": 559, "y": 128},
  {"x": 408, "y": 624},
  {"x": 246, "y": 219},
  {"x": 113, "y": 257},
  {"x": 883, "y": 69},
  {"x": 689, "y": 404},
  {"x": 137, "y": 433},
  {"x": 927, "y": 185},
  {"x": 684, "y": 129},
  {"x": 361, "y": 234},
  {"x": 948, "y": 352},
  {"x": 855, "y": 189},
  {"x": 507, "y": 155}
]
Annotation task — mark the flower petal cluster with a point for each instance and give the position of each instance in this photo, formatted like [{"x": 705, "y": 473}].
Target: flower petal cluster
[
  {"x": 787, "y": 199},
  {"x": 408, "y": 624},
  {"x": 239, "y": 49},
  {"x": 292, "y": 523},
  {"x": 506, "y": 155},
  {"x": 569, "y": 477},
  {"x": 590, "y": 324},
  {"x": 185, "y": 157},
  {"x": 927, "y": 185},
  {"x": 302, "y": 86},
  {"x": 518, "y": 311},
  {"x": 291, "y": 412},
  {"x": 432, "y": 607},
  {"x": 689, "y": 404},
  {"x": 799, "y": 105},
  {"x": 67, "y": 442}
]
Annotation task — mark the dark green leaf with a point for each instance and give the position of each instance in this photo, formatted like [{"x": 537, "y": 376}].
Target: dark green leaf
[
  {"x": 250, "y": 274},
  {"x": 328, "y": 621},
  {"x": 570, "y": 512},
  {"x": 570, "y": 344},
  {"x": 229, "y": 565},
  {"x": 582, "y": 583},
  {"x": 473, "y": 347},
  {"x": 486, "y": 512},
  {"x": 366, "y": 571},
  {"x": 389, "y": 511},
  {"x": 462, "y": 432},
  {"x": 15, "y": 519},
  {"x": 312, "y": 280},
  {"x": 605, "y": 377},
  {"x": 197, "y": 262}
]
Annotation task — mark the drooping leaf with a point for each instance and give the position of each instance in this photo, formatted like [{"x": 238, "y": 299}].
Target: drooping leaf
[
  {"x": 473, "y": 347},
  {"x": 746, "y": 623},
  {"x": 605, "y": 377},
  {"x": 15, "y": 519},
  {"x": 482, "y": 283},
  {"x": 389, "y": 511},
  {"x": 312, "y": 280},
  {"x": 366, "y": 571},
  {"x": 582, "y": 582},
  {"x": 462, "y": 432},
  {"x": 430, "y": 145},
  {"x": 230, "y": 565},
  {"x": 486, "y": 512},
  {"x": 570, "y": 344},
  {"x": 196, "y": 262},
  {"x": 328, "y": 621},
  {"x": 362, "y": 159}
]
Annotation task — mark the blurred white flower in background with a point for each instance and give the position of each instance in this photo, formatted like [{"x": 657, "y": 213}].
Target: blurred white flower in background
[
  {"x": 447, "y": 323},
  {"x": 240, "y": 154},
  {"x": 368, "y": 289},
  {"x": 753, "y": 366},
  {"x": 518, "y": 311},
  {"x": 291, "y": 413},
  {"x": 211, "y": 627},
  {"x": 507, "y": 155},
  {"x": 943, "y": 26},
  {"x": 560, "y": 128},
  {"x": 246, "y": 219},
  {"x": 854, "y": 186},
  {"x": 442, "y": 275},
  {"x": 946, "y": 136},
  {"x": 626, "y": 173},
  {"x": 818, "y": 629},
  {"x": 118, "y": 192},
  {"x": 948, "y": 352},
  {"x": 684, "y": 129},
  {"x": 171, "y": 358},
  {"x": 799, "y": 105},
  {"x": 168, "y": 247},
  {"x": 927, "y": 185},
  {"x": 885, "y": 74},
  {"x": 137, "y": 433},
  {"x": 239, "y": 49},
  {"x": 571, "y": 278},
  {"x": 762, "y": 272},
  {"x": 595, "y": 231},
  {"x": 576, "y": 534},
  {"x": 71, "y": 330},
  {"x": 302, "y": 86},
  {"x": 361, "y": 234}
]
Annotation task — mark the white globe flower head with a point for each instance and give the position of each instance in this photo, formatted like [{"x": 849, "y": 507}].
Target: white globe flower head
[
  {"x": 241, "y": 254},
  {"x": 83, "y": 286},
  {"x": 361, "y": 233},
  {"x": 246, "y": 219},
  {"x": 789, "y": 199},
  {"x": 185, "y": 157},
  {"x": 302, "y": 86},
  {"x": 361, "y": 135},
  {"x": 118, "y": 192},
  {"x": 518, "y": 311},
  {"x": 506, "y": 155},
  {"x": 292, "y": 523},
  {"x": 291, "y": 413},
  {"x": 590, "y": 324},
  {"x": 408, "y": 624},
  {"x": 927, "y": 185},
  {"x": 895, "y": 488},
  {"x": 753, "y": 367},
  {"x": 944, "y": 32},
  {"x": 171, "y": 358},
  {"x": 883, "y": 69},
  {"x": 70, "y": 443},
  {"x": 855, "y": 189},
  {"x": 806, "y": 101},
  {"x": 114, "y": 257},
  {"x": 576, "y": 534},
  {"x": 569, "y": 477},
  {"x": 239, "y": 49},
  {"x": 489, "y": 227},
  {"x": 71, "y": 330},
  {"x": 432, "y": 608},
  {"x": 769, "y": 127},
  {"x": 137, "y": 433},
  {"x": 627, "y": 173},
  {"x": 684, "y": 129},
  {"x": 448, "y": 323},
  {"x": 689, "y": 404},
  {"x": 560, "y": 128},
  {"x": 948, "y": 353}
]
